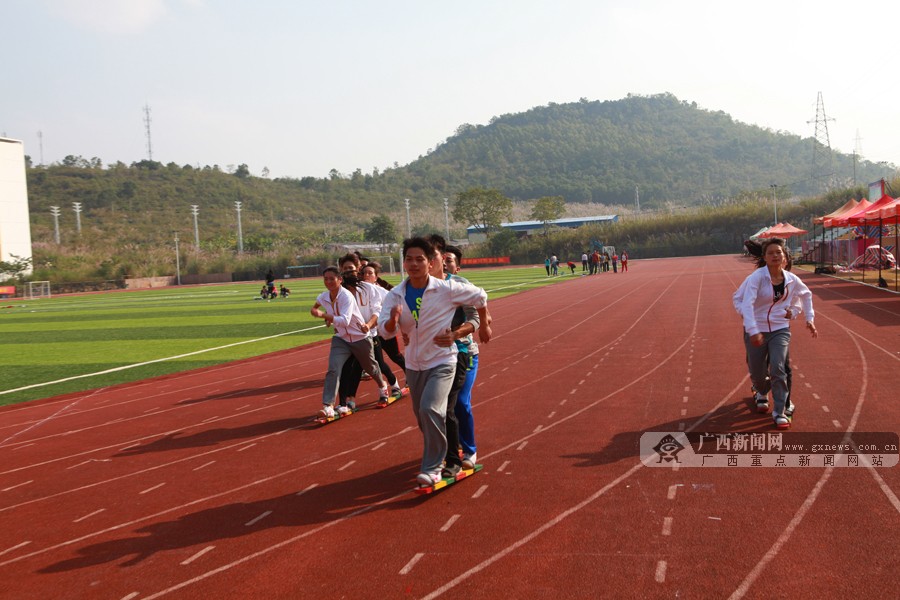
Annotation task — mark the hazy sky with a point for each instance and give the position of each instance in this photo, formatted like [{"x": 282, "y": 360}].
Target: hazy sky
[{"x": 302, "y": 87}]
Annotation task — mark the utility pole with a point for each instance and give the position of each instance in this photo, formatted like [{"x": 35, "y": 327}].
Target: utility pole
[
  {"x": 147, "y": 127},
  {"x": 823, "y": 161},
  {"x": 41, "y": 146},
  {"x": 54, "y": 210},
  {"x": 774, "y": 187},
  {"x": 177, "y": 262},
  {"x": 637, "y": 198},
  {"x": 195, "y": 210},
  {"x": 447, "y": 219},
  {"x": 77, "y": 207},
  {"x": 408, "y": 224},
  {"x": 240, "y": 235}
]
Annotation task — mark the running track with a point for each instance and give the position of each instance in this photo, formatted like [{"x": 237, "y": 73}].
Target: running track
[{"x": 216, "y": 484}]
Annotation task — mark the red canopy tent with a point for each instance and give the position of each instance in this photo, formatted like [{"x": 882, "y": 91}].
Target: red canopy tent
[
  {"x": 834, "y": 221},
  {"x": 782, "y": 230},
  {"x": 848, "y": 206},
  {"x": 858, "y": 217}
]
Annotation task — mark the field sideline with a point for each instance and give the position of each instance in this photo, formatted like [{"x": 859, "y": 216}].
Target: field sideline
[{"x": 73, "y": 343}]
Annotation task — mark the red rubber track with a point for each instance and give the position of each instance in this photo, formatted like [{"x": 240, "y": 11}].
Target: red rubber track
[{"x": 217, "y": 484}]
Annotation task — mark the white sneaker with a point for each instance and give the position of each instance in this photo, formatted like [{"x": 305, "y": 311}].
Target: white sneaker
[
  {"x": 427, "y": 479},
  {"x": 327, "y": 411},
  {"x": 344, "y": 410},
  {"x": 384, "y": 394},
  {"x": 469, "y": 460}
]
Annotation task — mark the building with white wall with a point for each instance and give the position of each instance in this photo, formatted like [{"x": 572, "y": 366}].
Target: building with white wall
[{"x": 15, "y": 226}]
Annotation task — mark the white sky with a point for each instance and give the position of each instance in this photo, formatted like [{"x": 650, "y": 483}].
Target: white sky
[{"x": 303, "y": 86}]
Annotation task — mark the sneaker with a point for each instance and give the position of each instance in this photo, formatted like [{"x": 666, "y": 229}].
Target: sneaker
[
  {"x": 427, "y": 479},
  {"x": 327, "y": 411},
  {"x": 450, "y": 471},
  {"x": 782, "y": 422},
  {"x": 384, "y": 393},
  {"x": 344, "y": 410},
  {"x": 789, "y": 409},
  {"x": 762, "y": 403},
  {"x": 469, "y": 460},
  {"x": 396, "y": 392},
  {"x": 350, "y": 403}
]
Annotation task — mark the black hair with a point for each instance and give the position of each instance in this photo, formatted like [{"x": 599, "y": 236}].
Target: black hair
[
  {"x": 423, "y": 244},
  {"x": 334, "y": 270},
  {"x": 456, "y": 251}
]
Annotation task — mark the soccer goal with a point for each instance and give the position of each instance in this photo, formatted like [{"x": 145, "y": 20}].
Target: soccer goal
[{"x": 38, "y": 289}]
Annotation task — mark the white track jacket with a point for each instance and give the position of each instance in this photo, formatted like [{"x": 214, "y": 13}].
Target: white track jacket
[
  {"x": 439, "y": 302},
  {"x": 758, "y": 310}
]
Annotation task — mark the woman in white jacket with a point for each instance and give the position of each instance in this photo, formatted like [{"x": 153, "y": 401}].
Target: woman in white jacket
[{"x": 768, "y": 292}]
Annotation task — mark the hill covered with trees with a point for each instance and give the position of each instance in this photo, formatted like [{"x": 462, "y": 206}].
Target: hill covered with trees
[{"x": 592, "y": 154}]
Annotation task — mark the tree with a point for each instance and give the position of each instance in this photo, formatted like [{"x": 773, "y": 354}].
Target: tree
[
  {"x": 382, "y": 231},
  {"x": 243, "y": 171},
  {"x": 482, "y": 209},
  {"x": 548, "y": 208},
  {"x": 15, "y": 267}
]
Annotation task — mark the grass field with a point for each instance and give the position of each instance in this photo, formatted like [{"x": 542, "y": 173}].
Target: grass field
[{"x": 70, "y": 343}]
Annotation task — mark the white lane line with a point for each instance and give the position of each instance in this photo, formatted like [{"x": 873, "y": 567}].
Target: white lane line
[
  {"x": 522, "y": 445},
  {"x": 563, "y": 401},
  {"x": 449, "y": 523},
  {"x": 247, "y": 447},
  {"x": 881, "y": 483},
  {"x": 96, "y": 512},
  {"x": 687, "y": 379},
  {"x": 204, "y": 465},
  {"x": 683, "y": 412},
  {"x": 660, "y": 571},
  {"x": 378, "y": 446},
  {"x": 685, "y": 399},
  {"x": 538, "y": 428},
  {"x": 503, "y": 466},
  {"x": 131, "y": 595},
  {"x": 551, "y": 415},
  {"x": 480, "y": 491},
  {"x": 301, "y": 492},
  {"x": 155, "y": 487},
  {"x": 79, "y": 464},
  {"x": 667, "y": 526},
  {"x": 825, "y": 408},
  {"x": 16, "y": 547},
  {"x": 255, "y": 520},
  {"x": 573, "y": 392},
  {"x": 687, "y": 388},
  {"x": 816, "y": 396},
  {"x": 152, "y": 409},
  {"x": 197, "y": 555},
  {"x": 12, "y": 487},
  {"x": 673, "y": 489},
  {"x": 23, "y": 446},
  {"x": 581, "y": 382},
  {"x": 412, "y": 562},
  {"x": 347, "y": 465},
  {"x": 806, "y": 383},
  {"x": 242, "y": 407},
  {"x": 836, "y": 423}
]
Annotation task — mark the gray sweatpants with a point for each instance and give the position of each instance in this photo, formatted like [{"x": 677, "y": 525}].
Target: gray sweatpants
[
  {"x": 774, "y": 349},
  {"x": 341, "y": 350},
  {"x": 429, "y": 390}
]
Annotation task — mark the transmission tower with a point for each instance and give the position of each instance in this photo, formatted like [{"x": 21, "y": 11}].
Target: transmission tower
[
  {"x": 147, "y": 127},
  {"x": 823, "y": 162}
]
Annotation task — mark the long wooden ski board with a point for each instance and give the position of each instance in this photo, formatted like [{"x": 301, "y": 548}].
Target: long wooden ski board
[
  {"x": 447, "y": 481},
  {"x": 391, "y": 399}
]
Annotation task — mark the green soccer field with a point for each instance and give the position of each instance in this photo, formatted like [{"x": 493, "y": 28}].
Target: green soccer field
[{"x": 73, "y": 343}]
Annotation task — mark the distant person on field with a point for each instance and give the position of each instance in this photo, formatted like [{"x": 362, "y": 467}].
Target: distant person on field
[
  {"x": 571, "y": 266},
  {"x": 624, "y": 259},
  {"x": 584, "y": 262},
  {"x": 615, "y": 262},
  {"x": 547, "y": 265}
]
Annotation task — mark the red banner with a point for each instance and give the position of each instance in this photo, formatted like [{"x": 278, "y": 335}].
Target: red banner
[{"x": 486, "y": 260}]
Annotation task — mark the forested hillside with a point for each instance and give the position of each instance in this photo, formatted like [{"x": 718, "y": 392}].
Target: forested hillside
[{"x": 592, "y": 154}]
